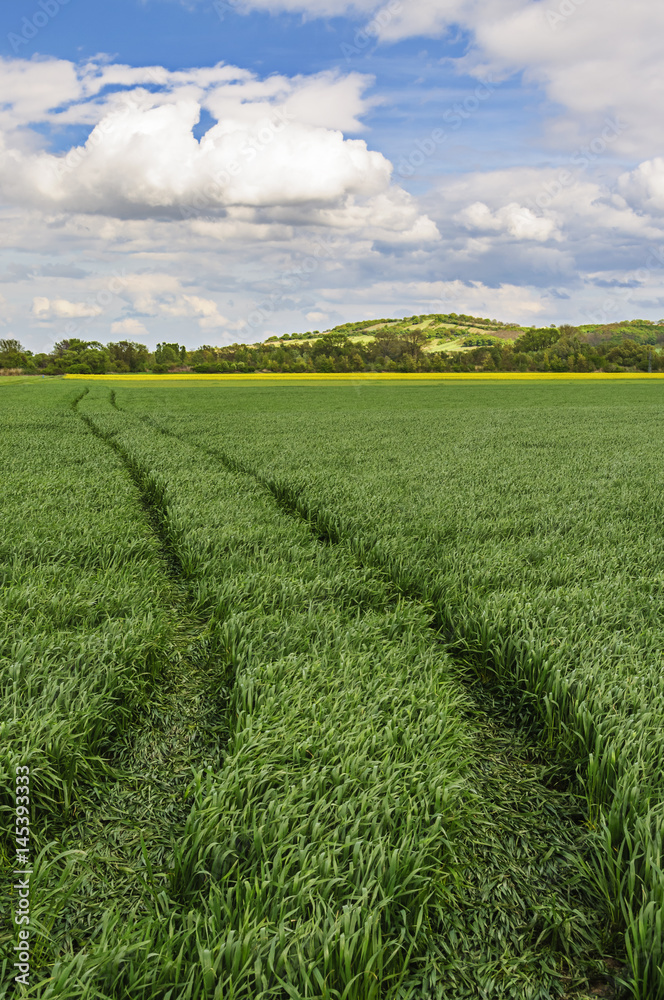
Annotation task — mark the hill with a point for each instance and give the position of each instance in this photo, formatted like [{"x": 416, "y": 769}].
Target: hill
[{"x": 435, "y": 342}]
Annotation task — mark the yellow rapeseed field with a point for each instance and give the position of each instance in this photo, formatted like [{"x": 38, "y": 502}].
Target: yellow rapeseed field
[{"x": 373, "y": 376}]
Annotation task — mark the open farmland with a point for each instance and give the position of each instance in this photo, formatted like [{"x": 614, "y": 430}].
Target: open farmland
[{"x": 345, "y": 691}]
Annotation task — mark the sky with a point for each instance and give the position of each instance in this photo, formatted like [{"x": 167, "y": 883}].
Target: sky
[{"x": 220, "y": 171}]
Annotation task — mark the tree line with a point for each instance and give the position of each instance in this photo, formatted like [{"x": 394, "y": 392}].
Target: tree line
[{"x": 397, "y": 347}]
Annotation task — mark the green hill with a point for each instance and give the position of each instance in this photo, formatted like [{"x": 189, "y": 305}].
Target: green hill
[{"x": 437, "y": 342}]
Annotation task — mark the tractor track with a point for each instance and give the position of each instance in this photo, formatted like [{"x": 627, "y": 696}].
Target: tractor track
[
  {"x": 534, "y": 794},
  {"x": 129, "y": 832}
]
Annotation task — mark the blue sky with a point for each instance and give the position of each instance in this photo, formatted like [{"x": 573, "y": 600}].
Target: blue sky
[{"x": 210, "y": 172}]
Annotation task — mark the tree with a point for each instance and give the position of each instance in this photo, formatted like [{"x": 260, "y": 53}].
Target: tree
[
  {"x": 14, "y": 355},
  {"x": 325, "y": 363},
  {"x": 388, "y": 343},
  {"x": 84, "y": 357},
  {"x": 414, "y": 341},
  {"x": 537, "y": 340},
  {"x": 629, "y": 355},
  {"x": 167, "y": 356},
  {"x": 330, "y": 344},
  {"x": 11, "y": 347},
  {"x": 128, "y": 356}
]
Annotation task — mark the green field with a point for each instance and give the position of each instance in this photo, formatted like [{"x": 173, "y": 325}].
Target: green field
[{"x": 345, "y": 691}]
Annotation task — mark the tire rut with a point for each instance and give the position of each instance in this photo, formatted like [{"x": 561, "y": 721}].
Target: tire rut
[
  {"x": 133, "y": 819},
  {"x": 534, "y": 868}
]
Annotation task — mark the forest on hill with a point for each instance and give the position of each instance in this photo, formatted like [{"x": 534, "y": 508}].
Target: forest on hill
[{"x": 428, "y": 343}]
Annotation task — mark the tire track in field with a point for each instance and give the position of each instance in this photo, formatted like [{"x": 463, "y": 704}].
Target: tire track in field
[
  {"x": 130, "y": 830},
  {"x": 529, "y": 796}
]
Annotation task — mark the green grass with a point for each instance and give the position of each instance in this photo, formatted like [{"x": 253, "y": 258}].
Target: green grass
[
  {"x": 528, "y": 518},
  {"x": 13, "y": 380},
  {"x": 339, "y": 839},
  {"x": 400, "y": 735},
  {"x": 82, "y": 639}
]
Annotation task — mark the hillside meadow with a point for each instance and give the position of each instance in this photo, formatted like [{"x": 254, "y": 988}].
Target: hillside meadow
[{"x": 434, "y": 343}]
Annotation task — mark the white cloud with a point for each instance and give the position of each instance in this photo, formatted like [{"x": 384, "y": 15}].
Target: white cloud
[
  {"x": 643, "y": 188},
  {"x": 520, "y": 304},
  {"x": 325, "y": 100},
  {"x": 275, "y": 154},
  {"x": 32, "y": 88},
  {"x": 162, "y": 295},
  {"x": 44, "y": 308},
  {"x": 593, "y": 57},
  {"x": 545, "y": 204},
  {"x": 204, "y": 310},
  {"x": 600, "y": 59},
  {"x": 151, "y": 163},
  {"x": 130, "y": 327},
  {"x": 513, "y": 219},
  {"x": 147, "y": 291}
]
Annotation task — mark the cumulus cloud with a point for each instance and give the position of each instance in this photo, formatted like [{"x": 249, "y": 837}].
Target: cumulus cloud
[
  {"x": 162, "y": 295},
  {"x": 276, "y": 153},
  {"x": 521, "y": 304},
  {"x": 325, "y": 100},
  {"x": 31, "y": 89},
  {"x": 147, "y": 292},
  {"x": 204, "y": 310},
  {"x": 594, "y": 248},
  {"x": 593, "y": 57},
  {"x": 129, "y": 327},
  {"x": 643, "y": 188},
  {"x": 531, "y": 204},
  {"x": 513, "y": 219},
  {"x": 44, "y": 308}
]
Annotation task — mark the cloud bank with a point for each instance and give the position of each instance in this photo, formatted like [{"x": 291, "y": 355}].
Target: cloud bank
[
  {"x": 215, "y": 203},
  {"x": 274, "y": 155}
]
